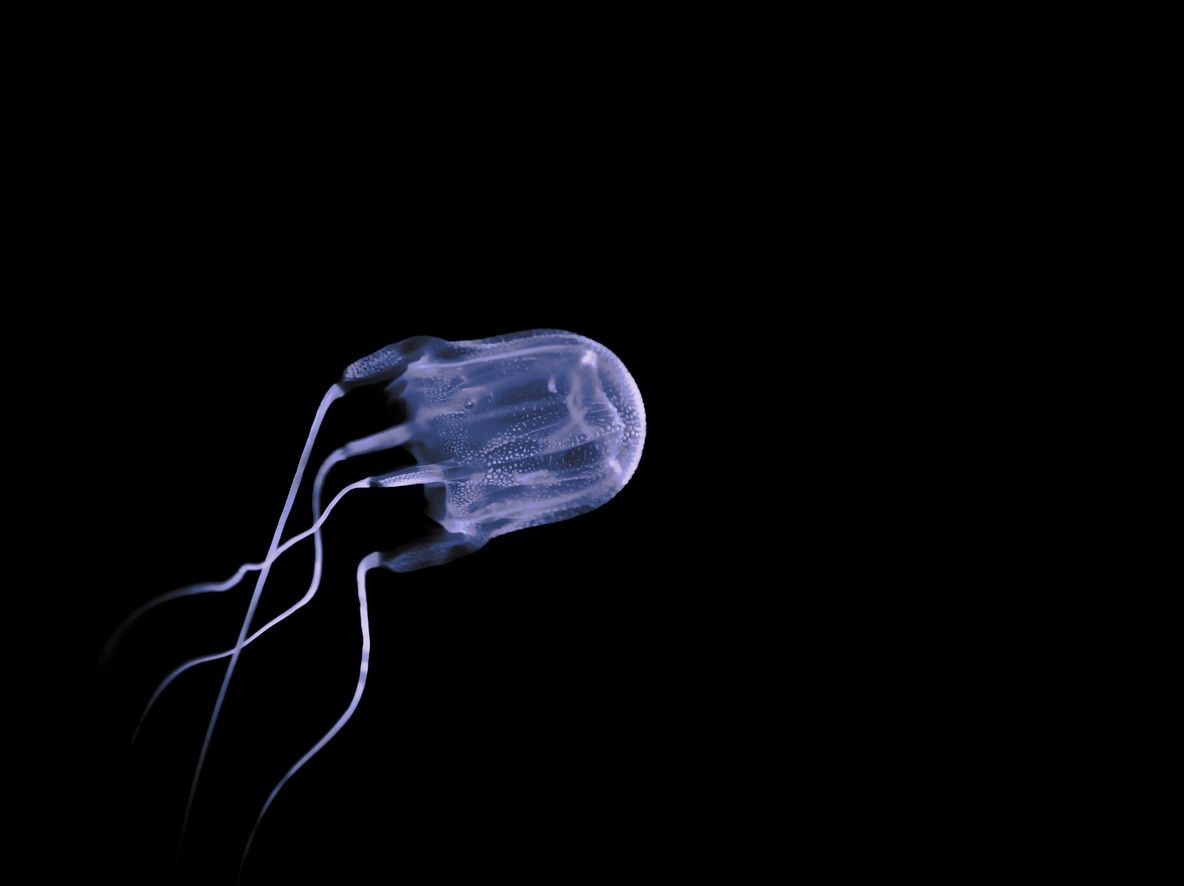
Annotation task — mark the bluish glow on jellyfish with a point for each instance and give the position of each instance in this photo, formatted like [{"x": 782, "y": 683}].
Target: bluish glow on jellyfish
[{"x": 508, "y": 433}]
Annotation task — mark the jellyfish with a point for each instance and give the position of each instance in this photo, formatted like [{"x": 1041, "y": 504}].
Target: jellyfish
[{"x": 507, "y": 433}]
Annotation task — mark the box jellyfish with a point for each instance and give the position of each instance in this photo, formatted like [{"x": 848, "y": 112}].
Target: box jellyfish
[{"x": 507, "y": 433}]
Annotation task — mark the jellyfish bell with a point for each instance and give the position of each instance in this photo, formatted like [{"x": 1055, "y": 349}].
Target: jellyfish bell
[{"x": 508, "y": 433}]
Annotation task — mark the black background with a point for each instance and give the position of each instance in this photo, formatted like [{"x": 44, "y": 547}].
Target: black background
[
  {"x": 535, "y": 708},
  {"x": 202, "y": 264},
  {"x": 583, "y": 699}
]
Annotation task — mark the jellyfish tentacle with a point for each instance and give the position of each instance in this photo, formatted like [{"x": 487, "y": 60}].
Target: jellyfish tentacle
[
  {"x": 315, "y": 531},
  {"x": 242, "y": 640},
  {"x": 207, "y": 587},
  {"x": 164, "y": 684},
  {"x": 416, "y": 475},
  {"x": 393, "y": 436},
  {"x": 370, "y": 561},
  {"x": 334, "y": 393},
  {"x": 388, "y": 439}
]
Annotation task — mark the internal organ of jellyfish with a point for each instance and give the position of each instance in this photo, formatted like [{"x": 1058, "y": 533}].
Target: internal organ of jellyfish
[{"x": 508, "y": 433}]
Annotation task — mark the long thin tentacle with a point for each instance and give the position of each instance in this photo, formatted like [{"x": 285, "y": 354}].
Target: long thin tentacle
[
  {"x": 370, "y": 561},
  {"x": 314, "y": 584},
  {"x": 388, "y": 439},
  {"x": 331, "y": 395},
  {"x": 207, "y": 587},
  {"x": 312, "y": 530}
]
